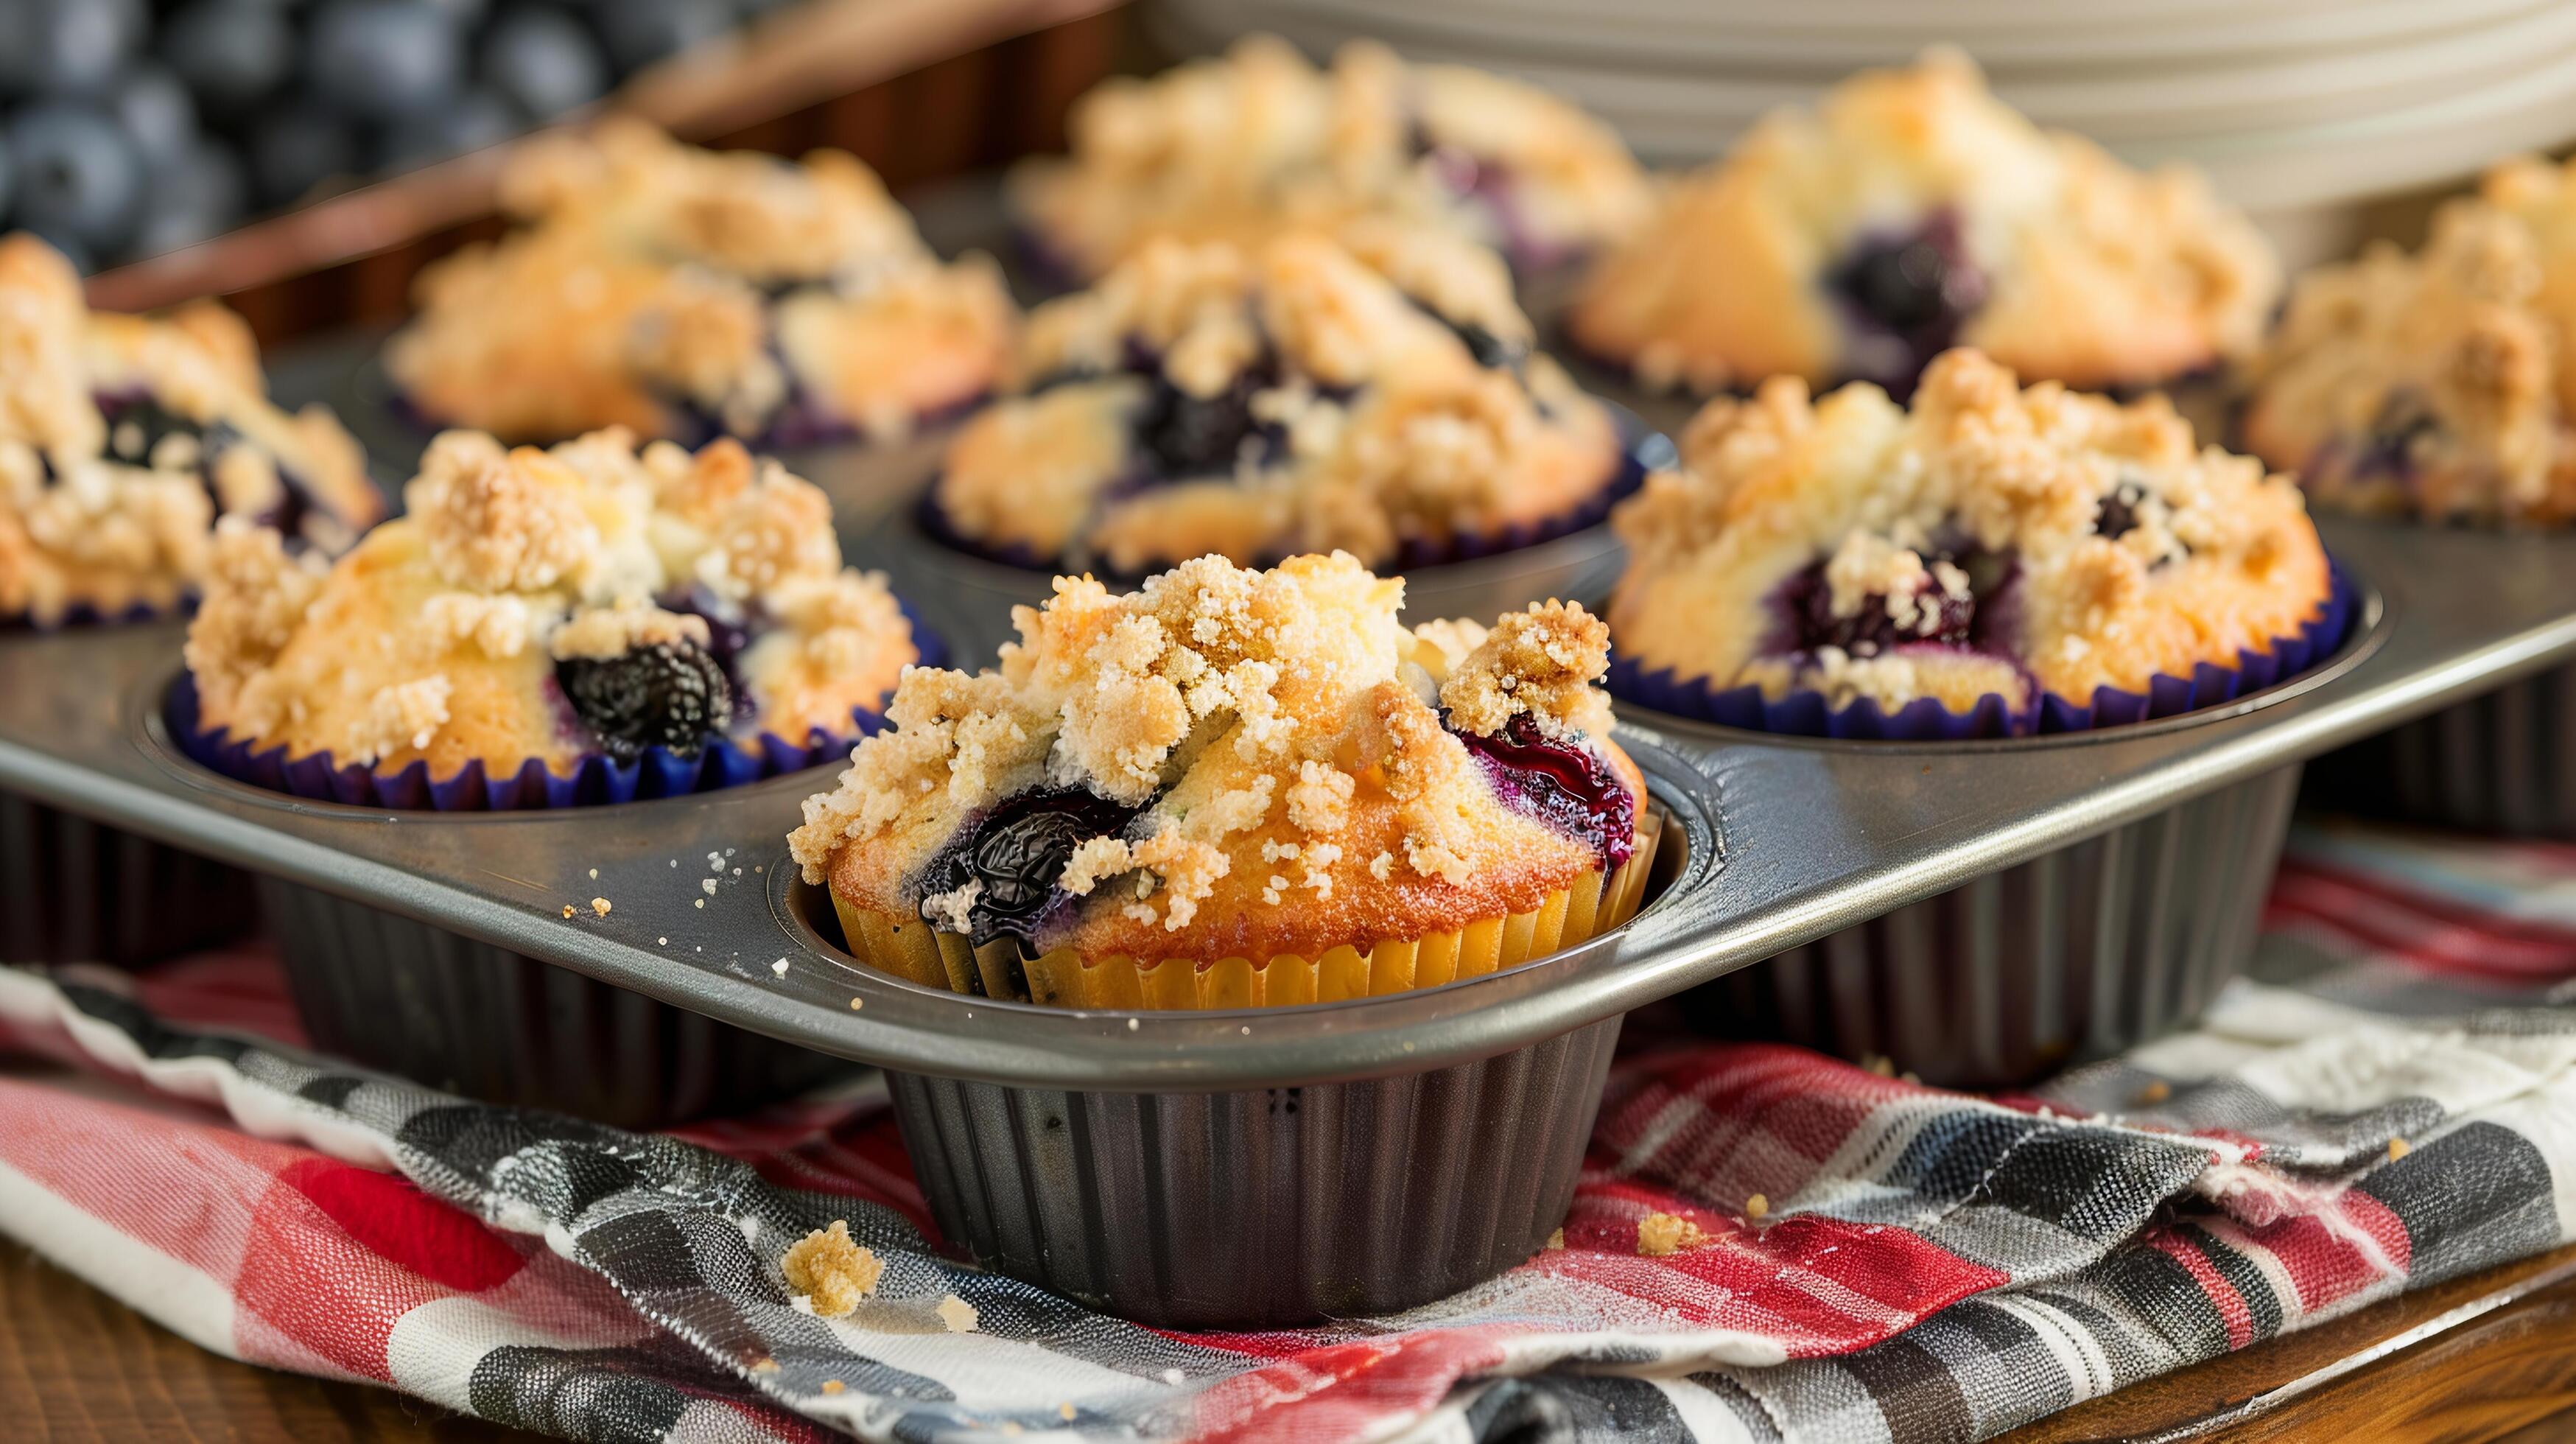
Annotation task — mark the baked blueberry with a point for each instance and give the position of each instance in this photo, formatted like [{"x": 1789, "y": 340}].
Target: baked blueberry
[
  {"x": 1013, "y": 855},
  {"x": 670, "y": 695}
]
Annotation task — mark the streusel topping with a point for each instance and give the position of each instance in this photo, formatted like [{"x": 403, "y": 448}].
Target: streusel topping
[
  {"x": 471, "y": 627},
  {"x": 654, "y": 285},
  {"x": 2435, "y": 384},
  {"x": 1268, "y": 738},
  {"x": 1236, "y": 147},
  {"x": 1910, "y": 211},
  {"x": 1993, "y": 539},
  {"x": 1299, "y": 397},
  {"x": 122, "y": 439}
]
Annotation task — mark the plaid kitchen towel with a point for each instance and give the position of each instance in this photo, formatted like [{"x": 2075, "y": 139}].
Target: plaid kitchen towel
[{"x": 1852, "y": 1256}]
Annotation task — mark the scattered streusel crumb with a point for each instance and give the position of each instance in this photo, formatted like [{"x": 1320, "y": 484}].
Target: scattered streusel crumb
[
  {"x": 567, "y": 912},
  {"x": 2155, "y": 1093},
  {"x": 779, "y": 967},
  {"x": 699, "y": 904},
  {"x": 834, "y": 1386},
  {"x": 1665, "y": 1233},
  {"x": 765, "y": 1366},
  {"x": 1882, "y": 1066},
  {"x": 1756, "y": 1206},
  {"x": 2398, "y": 1148},
  {"x": 599, "y": 905},
  {"x": 594, "y": 874},
  {"x": 957, "y": 1314},
  {"x": 1065, "y": 1411},
  {"x": 831, "y": 1270},
  {"x": 857, "y": 1003},
  {"x": 1556, "y": 1239}
]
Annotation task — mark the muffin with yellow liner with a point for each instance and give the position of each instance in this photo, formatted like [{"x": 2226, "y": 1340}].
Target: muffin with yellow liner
[{"x": 1237, "y": 788}]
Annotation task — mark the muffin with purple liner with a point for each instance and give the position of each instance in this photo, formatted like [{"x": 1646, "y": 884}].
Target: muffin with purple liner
[
  {"x": 1996, "y": 560},
  {"x": 585, "y": 624},
  {"x": 1240, "y": 146},
  {"x": 2436, "y": 384},
  {"x": 124, "y": 438},
  {"x": 685, "y": 293},
  {"x": 1371, "y": 391},
  {"x": 1912, "y": 211}
]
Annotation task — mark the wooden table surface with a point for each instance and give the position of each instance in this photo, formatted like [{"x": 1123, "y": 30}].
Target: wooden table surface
[{"x": 2488, "y": 1357}]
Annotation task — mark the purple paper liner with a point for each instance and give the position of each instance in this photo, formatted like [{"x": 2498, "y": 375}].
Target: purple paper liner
[
  {"x": 1806, "y": 714},
  {"x": 82, "y": 614},
  {"x": 1637, "y": 443},
  {"x": 598, "y": 780}
]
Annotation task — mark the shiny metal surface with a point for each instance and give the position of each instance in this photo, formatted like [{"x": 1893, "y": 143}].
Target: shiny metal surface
[
  {"x": 2501, "y": 763},
  {"x": 2076, "y": 954}
]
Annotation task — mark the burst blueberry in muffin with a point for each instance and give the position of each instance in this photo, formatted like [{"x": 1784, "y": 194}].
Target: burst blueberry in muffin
[
  {"x": 1237, "y": 788},
  {"x": 545, "y": 608},
  {"x": 1234, "y": 148},
  {"x": 2436, "y": 384},
  {"x": 1374, "y": 392},
  {"x": 1912, "y": 211},
  {"x": 1994, "y": 540},
  {"x": 124, "y": 438},
  {"x": 682, "y": 292}
]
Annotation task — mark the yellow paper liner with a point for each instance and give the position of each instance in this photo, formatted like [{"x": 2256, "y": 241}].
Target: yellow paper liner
[{"x": 913, "y": 950}]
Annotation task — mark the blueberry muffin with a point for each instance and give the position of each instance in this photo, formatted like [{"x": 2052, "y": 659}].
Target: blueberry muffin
[
  {"x": 1233, "y": 148},
  {"x": 124, "y": 438},
  {"x": 1993, "y": 540},
  {"x": 1237, "y": 788},
  {"x": 539, "y": 609},
  {"x": 1912, "y": 211},
  {"x": 1375, "y": 393},
  {"x": 682, "y": 292},
  {"x": 2435, "y": 384}
]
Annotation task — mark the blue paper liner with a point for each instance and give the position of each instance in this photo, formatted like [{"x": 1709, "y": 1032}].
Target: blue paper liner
[
  {"x": 598, "y": 780},
  {"x": 82, "y": 614},
  {"x": 1636, "y": 441},
  {"x": 1807, "y": 714}
]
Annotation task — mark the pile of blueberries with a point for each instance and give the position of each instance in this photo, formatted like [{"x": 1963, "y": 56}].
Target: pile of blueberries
[{"x": 131, "y": 127}]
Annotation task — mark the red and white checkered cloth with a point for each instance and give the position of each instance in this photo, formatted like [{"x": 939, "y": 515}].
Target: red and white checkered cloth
[{"x": 1929, "y": 1266}]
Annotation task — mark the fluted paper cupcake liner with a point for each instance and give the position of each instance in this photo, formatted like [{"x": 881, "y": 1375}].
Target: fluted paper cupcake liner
[
  {"x": 1807, "y": 713},
  {"x": 1593, "y": 903},
  {"x": 596, "y": 779}
]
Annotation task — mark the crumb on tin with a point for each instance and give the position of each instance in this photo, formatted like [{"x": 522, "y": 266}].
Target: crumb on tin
[{"x": 599, "y": 905}]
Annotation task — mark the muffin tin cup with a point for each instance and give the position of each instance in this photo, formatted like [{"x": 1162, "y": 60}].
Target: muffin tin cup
[
  {"x": 417, "y": 1000},
  {"x": 1263, "y": 1207},
  {"x": 2076, "y": 954},
  {"x": 2503, "y": 763},
  {"x": 77, "y": 891}
]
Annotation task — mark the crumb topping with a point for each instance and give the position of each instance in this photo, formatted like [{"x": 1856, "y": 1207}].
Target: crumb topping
[
  {"x": 651, "y": 279},
  {"x": 831, "y": 1270},
  {"x": 1357, "y": 392},
  {"x": 1238, "y": 146},
  {"x": 1272, "y": 726},
  {"x": 1832, "y": 544},
  {"x": 2432, "y": 384},
  {"x": 2089, "y": 272},
  {"x": 440, "y": 635},
  {"x": 113, "y": 516}
]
